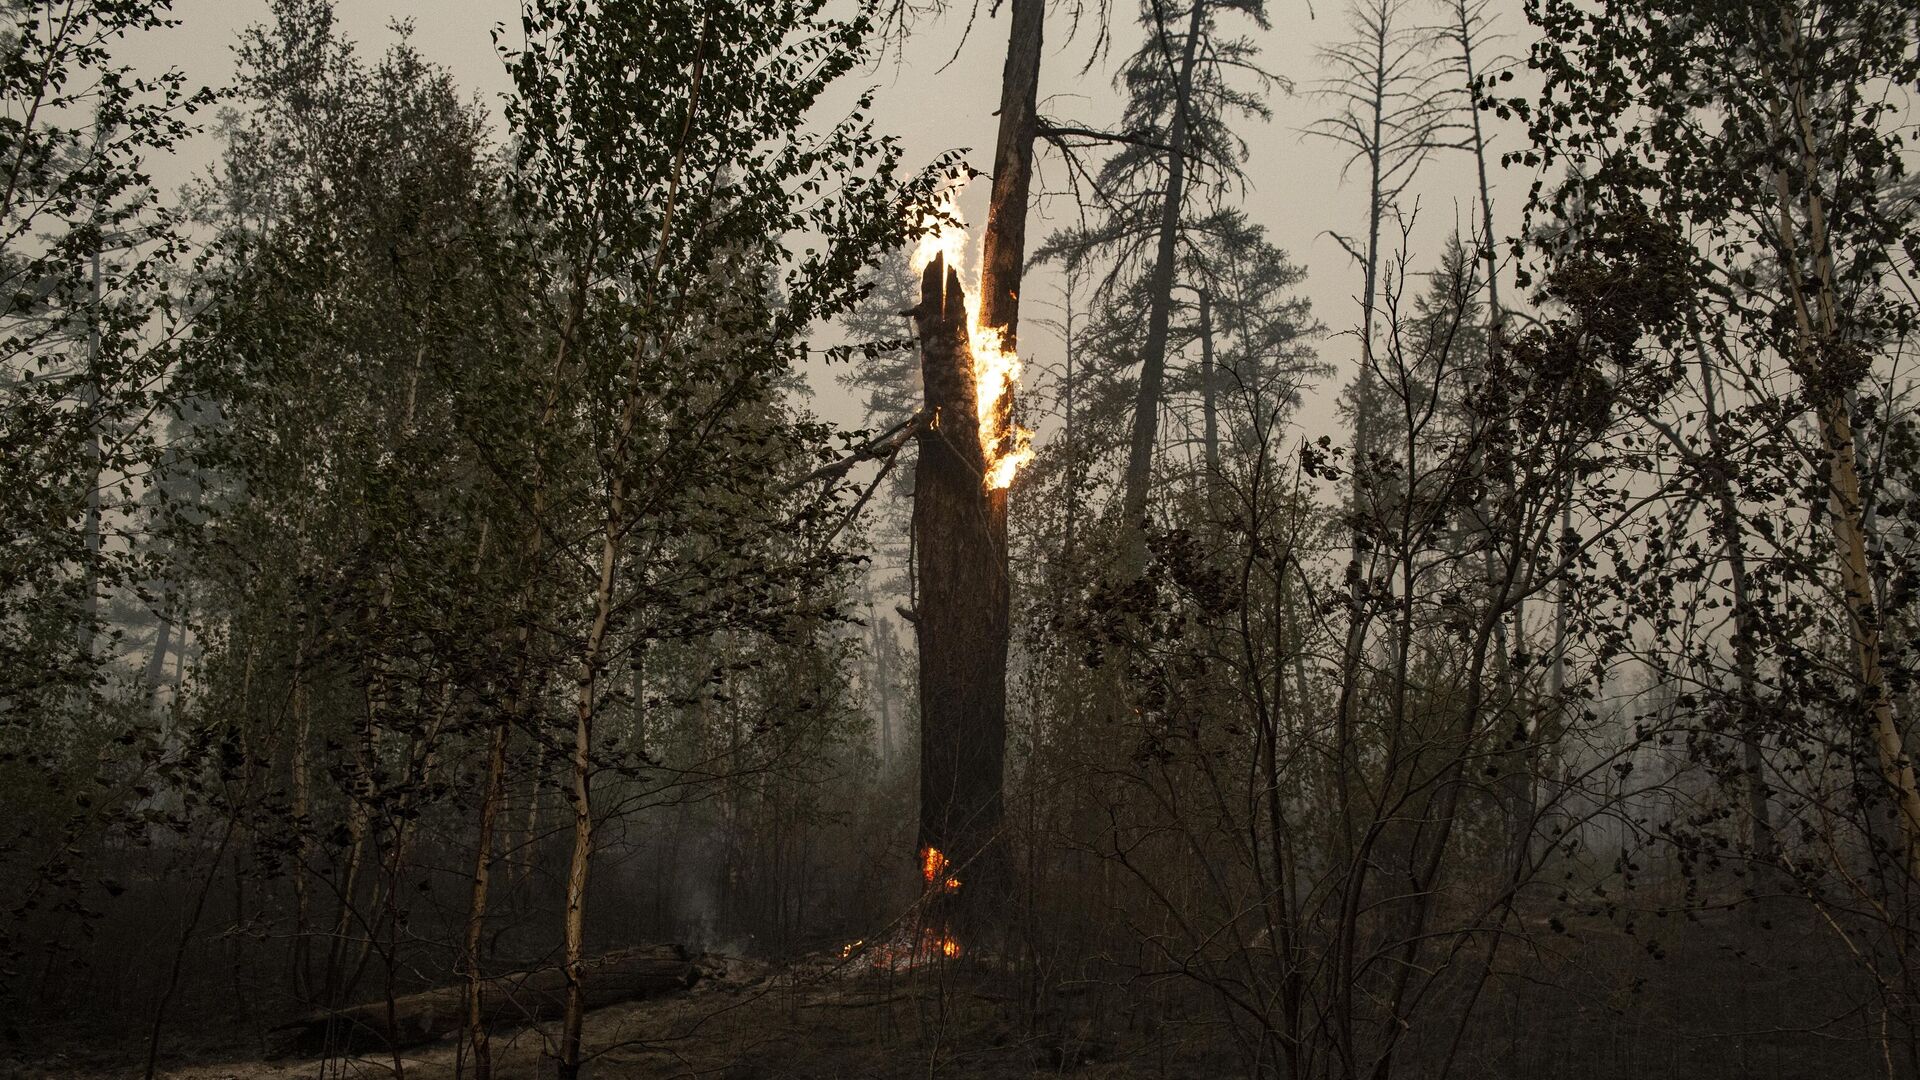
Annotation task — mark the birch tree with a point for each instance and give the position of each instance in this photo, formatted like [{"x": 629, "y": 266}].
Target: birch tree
[
  {"x": 88, "y": 336},
  {"x": 1766, "y": 132},
  {"x": 662, "y": 146}
]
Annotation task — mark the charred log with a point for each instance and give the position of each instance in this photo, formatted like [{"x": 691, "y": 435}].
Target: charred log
[{"x": 520, "y": 998}]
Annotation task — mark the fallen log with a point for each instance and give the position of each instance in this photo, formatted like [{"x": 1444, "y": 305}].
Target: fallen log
[{"x": 522, "y": 997}]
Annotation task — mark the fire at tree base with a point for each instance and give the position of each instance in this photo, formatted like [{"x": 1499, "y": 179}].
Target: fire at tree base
[{"x": 961, "y": 621}]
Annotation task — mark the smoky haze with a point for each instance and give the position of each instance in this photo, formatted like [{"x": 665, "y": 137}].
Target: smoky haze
[
  {"x": 456, "y": 619},
  {"x": 939, "y": 92}
]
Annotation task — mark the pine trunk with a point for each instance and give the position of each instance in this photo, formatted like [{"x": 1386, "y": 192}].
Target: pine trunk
[{"x": 1153, "y": 358}]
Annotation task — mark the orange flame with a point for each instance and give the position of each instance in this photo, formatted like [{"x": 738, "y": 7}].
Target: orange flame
[
  {"x": 933, "y": 868},
  {"x": 905, "y": 950},
  {"x": 996, "y": 368},
  {"x": 909, "y": 948}
]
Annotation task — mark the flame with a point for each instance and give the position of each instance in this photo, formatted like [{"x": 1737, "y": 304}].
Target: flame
[
  {"x": 908, "y": 948},
  {"x": 905, "y": 950},
  {"x": 996, "y": 368},
  {"x": 933, "y": 868}
]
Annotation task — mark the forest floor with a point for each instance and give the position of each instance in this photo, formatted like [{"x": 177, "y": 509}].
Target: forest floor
[
  {"x": 741, "y": 1022},
  {"x": 1599, "y": 1000}
]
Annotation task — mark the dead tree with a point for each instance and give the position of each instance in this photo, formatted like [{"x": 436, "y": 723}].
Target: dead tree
[
  {"x": 960, "y": 536},
  {"x": 1003, "y": 247}
]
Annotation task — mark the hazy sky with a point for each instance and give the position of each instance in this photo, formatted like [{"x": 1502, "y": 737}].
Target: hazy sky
[{"x": 933, "y": 106}]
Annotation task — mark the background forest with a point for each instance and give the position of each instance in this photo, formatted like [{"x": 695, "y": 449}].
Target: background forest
[{"x": 434, "y": 546}]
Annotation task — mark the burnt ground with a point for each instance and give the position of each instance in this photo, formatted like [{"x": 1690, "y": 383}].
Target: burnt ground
[
  {"x": 743, "y": 1022},
  {"x": 1714, "y": 998}
]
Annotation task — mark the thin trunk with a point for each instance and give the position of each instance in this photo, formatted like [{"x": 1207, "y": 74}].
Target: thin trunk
[
  {"x": 593, "y": 655},
  {"x": 157, "y": 662},
  {"x": 360, "y": 811},
  {"x": 494, "y": 794},
  {"x": 422, "y": 758},
  {"x": 336, "y": 983},
  {"x": 90, "y": 524},
  {"x": 180, "y": 948},
  {"x": 637, "y": 710},
  {"x": 1354, "y": 644},
  {"x": 1464, "y": 28},
  {"x": 1370, "y": 282},
  {"x": 206, "y": 890},
  {"x": 302, "y": 810},
  {"x": 881, "y": 642},
  {"x": 1421, "y": 889},
  {"x": 1745, "y": 635},
  {"x": 1153, "y": 357},
  {"x": 1557, "y": 673},
  {"x": 1816, "y": 330},
  {"x": 1506, "y": 672},
  {"x": 1209, "y": 405},
  {"x": 530, "y": 829},
  {"x": 476, "y": 1005},
  {"x": 579, "y": 792},
  {"x": 1070, "y": 474}
]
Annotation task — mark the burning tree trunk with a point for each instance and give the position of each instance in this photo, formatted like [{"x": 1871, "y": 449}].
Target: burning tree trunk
[{"x": 960, "y": 531}]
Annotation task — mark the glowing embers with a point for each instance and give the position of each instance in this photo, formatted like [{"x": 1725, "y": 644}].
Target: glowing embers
[
  {"x": 914, "y": 946},
  {"x": 943, "y": 944},
  {"x": 934, "y": 871},
  {"x": 996, "y": 369},
  {"x": 905, "y": 950}
]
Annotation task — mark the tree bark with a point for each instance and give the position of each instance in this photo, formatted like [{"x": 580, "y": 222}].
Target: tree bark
[
  {"x": 962, "y": 622},
  {"x": 579, "y": 791},
  {"x": 1003, "y": 248},
  {"x": 1209, "y": 405}
]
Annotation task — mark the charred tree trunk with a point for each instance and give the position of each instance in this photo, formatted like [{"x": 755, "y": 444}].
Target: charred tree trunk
[
  {"x": 960, "y": 529},
  {"x": 1004, "y": 246}
]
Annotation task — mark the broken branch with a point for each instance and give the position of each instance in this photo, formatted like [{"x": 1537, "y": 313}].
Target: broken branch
[{"x": 885, "y": 446}]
